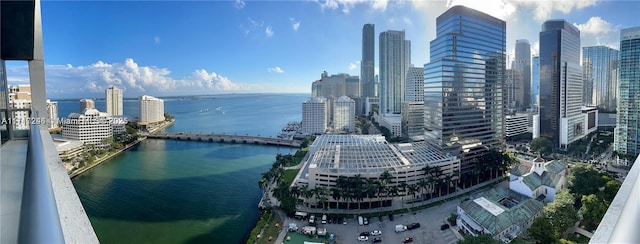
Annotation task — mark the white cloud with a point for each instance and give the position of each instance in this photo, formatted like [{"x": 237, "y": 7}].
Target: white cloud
[
  {"x": 268, "y": 31},
  {"x": 354, "y": 65},
  {"x": 295, "y": 24},
  {"x": 542, "y": 9},
  {"x": 597, "y": 31},
  {"x": 70, "y": 81},
  {"x": 497, "y": 8},
  {"x": 239, "y": 4},
  {"x": 156, "y": 39},
  {"x": 276, "y": 69},
  {"x": 347, "y": 5},
  {"x": 535, "y": 48}
]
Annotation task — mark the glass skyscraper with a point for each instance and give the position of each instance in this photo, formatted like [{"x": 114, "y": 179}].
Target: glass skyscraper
[
  {"x": 367, "y": 64},
  {"x": 627, "y": 132},
  {"x": 535, "y": 80},
  {"x": 561, "y": 118},
  {"x": 600, "y": 76},
  {"x": 522, "y": 64},
  {"x": 395, "y": 60},
  {"x": 463, "y": 84}
]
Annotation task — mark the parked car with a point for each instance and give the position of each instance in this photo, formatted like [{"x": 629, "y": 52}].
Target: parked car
[
  {"x": 365, "y": 234},
  {"x": 407, "y": 240},
  {"x": 413, "y": 226},
  {"x": 344, "y": 221},
  {"x": 391, "y": 217},
  {"x": 376, "y": 233},
  {"x": 363, "y": 238},
  {"x": 366, "y": 221},
  {"x": 377, "y": 239},
  {"x": 400, "y": 228},
  {"x": 324, "y": 219},
  {"x": 444, "y": 227}
]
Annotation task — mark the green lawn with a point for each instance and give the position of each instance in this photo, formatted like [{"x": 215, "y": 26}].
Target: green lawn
[{"x": 289, "y": 175}]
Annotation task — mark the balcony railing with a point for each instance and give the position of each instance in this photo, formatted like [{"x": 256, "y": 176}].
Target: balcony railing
[
  {"x": 620, "y": 223},
  {"x": 39, "y": 219}
]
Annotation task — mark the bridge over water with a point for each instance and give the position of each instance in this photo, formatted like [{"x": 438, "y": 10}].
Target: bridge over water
[{"x": 226, "y": 138}]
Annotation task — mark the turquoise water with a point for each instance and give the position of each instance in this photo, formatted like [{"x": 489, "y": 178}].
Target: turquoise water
[{"x": 164, "y": 191}]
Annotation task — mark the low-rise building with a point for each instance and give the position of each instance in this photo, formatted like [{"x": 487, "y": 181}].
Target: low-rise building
[
  {"x": 393, "y": 122},
  {"x": 91, "y": 127},
  {"x": 539, "y": 179},
  {"x": 499, "y": 212},
  {"x": 516, "y": 124}
]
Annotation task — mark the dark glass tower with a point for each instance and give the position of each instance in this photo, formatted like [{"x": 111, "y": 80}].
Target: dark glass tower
[
  {"x": 561, "y": 118},
  {"x": 627, "y": 132},
  {"x": 367, "y": 64},
  {"x": 600, "y": 76},
  {"x": 463, "y": 84}
]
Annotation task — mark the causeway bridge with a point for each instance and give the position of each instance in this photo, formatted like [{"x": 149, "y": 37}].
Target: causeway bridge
[{"x": 226, "y": 138}]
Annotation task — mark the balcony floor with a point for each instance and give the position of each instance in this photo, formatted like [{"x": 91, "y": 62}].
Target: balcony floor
[{"x": 12, "y": 165}]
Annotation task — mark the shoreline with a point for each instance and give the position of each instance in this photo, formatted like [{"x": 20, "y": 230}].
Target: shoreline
[{"x": 116, "y": 153}]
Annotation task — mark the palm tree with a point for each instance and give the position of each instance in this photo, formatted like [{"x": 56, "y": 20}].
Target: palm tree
[
  {"x": 321, "y": 194},
  {"x": 358, "y": 189},
  {"x": 413, "y": 189},
  {"x": 422, "y": 184},
  {"x": 370, "y": 190},
  {"x": 448, "y": 178}
]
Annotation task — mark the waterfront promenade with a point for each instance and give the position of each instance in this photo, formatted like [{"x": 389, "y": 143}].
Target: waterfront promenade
[{"x": 227, "y": 138}]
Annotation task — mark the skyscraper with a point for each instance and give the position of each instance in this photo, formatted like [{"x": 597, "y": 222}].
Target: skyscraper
[
  {"x": 522, "y": 64},
  {"x": 463, "y": 84},
  {"x": 627, "y": 132},
  {"x": 114, "y": 101},
  {"x": 344, "y": 115},
  {"x": 395, "y": 59},
  {"x": 315, "y": 116},
  {"x": 414, "y": 85},
  {"x": 151, "y": 110},
  {"x": 535, "y": 80},
  {"x": 561, "y": 117},
  {"x": 600, "y": 77},
  {"x": 367, "y": 64}
]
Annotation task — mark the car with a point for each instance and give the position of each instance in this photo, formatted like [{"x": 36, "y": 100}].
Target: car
[
  {"x": 365, "y": 234},
  {"x": 380, "y": 218},
  {"x": 377, "y": 239},
  {"x": 413, "y": 226},
  {"x": 366, "y": 221},
  {"x": 444, "y": 227},
  {"x": 407, "y": 240},
  {"x": 344, "y": 221},
  {"x": 363, "y": 238},
  {"x": 376, "y": 233},
  {"x": 391, "y": 217}
]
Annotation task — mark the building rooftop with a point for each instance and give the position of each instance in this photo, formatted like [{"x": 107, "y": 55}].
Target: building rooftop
[{"x": 550, "y": 176}]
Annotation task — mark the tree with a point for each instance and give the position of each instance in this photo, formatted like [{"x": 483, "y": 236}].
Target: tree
[
  {"x": 610, "y": 190},
  {"x": 561, "y": 212},
  {"x": 585, "y": 179},
  {"x": 593, "y": 209},
  {"x": 480, "y": 239},
  {"x": 542, "y": 145},
  {"x": 543, "y": 231}
]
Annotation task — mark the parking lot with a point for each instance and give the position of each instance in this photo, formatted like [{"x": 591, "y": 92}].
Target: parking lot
[{"x": 429, "y": 231}]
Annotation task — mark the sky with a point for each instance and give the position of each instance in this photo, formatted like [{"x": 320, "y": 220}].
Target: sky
[{"x": 168, "y": 48}]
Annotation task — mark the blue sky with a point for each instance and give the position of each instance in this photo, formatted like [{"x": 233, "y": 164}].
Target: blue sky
[{"x": 163, "y": 48}]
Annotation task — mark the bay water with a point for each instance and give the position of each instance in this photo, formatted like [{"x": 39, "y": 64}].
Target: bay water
[{"x": 166, "y": 191}]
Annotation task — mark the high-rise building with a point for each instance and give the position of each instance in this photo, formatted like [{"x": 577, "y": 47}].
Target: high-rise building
[
  {"x": 535, "y": 80},
  {"x": 522, "y": 64},
  {"x": 52, "y": 114},
  {"x": 367, "y": 64},
  {"x": 315, "y": 116},
  {"x": 20, "y": 102},
  {"x": 91, "y": 127},
  {"x": 414, "y": 85},
  {"x": 334, "y": 86},
  {"x": 86, "y": 103},
  {"x": 151, "y": 110},
  {"x": 512, "y": 91},
  {"x": 627, "y": 132},
  {"x": 114, "y": 101},
  {"x": 463, "y": 84},
  {"x": 561, "y": 117},
  {"x": 395, "y": 59},
  {"x": 600, "y": 77},
  {"x": 412, "y": 121},
  {"x": 344, "y": 115}
]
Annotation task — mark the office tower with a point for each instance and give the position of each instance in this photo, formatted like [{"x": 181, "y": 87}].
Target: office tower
[
  {"x": 522, "y": 64},
  {"x": 91, "y": 127},
  {"x": 151, "y": 110},
  {"x": 86, "y": 103},
  {"x": 414, "y": 85},
  {"x": 512, "y": 91},
  {"x": 535, "y": 80},
  {"x": 114, "y": 101},
  {"x": 412, "y": 121},
  {"x": 627, "y": 132},
  {"x": 52, "y": 114},
  {"x": 315, "y": 116},
  {"x": 463, "y": 84},
  {"x": 395, "y": 58},
  {"x": 367, "y": 64},
  {"x": 600, "y": 77},
  {"x": 20, "y": 100},
  {"x": 561, "y": 117},
  {"x": 344, "y": 115},
  {"x": 334, "y": 86}
]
